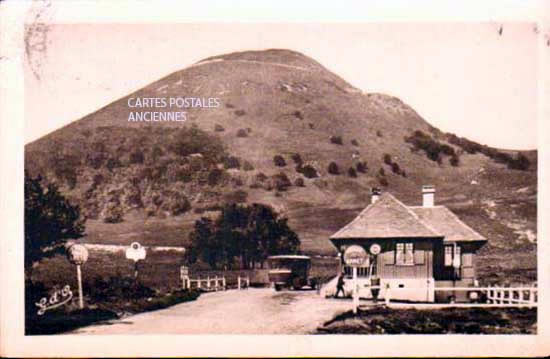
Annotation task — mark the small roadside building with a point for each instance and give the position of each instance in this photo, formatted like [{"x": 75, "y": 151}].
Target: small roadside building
[{"x": 422, "y": 247}]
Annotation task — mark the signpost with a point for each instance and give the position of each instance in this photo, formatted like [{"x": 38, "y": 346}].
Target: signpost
[
  {"x": 374, "y": 249},
  {"x": 184, "y": 275},
  {"x": 78, "y": 255},
  {"x": 136, "y": 252},
  {"x": 355, "y": 256}
]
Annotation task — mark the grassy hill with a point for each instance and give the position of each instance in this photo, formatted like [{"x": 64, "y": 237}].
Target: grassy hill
[{"x": 150, "y": 182}]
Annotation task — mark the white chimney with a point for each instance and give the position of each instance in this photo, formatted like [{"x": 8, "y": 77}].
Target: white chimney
[
  {"x": 375, "y": 194},
  {"x": 428, "y": 193}
]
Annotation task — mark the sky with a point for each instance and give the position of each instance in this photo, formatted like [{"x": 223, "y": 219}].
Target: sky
[{"x": 463, "y": 78}]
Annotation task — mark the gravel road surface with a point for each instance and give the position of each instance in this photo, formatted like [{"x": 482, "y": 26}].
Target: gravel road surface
[{"x": 251, "y": 311}]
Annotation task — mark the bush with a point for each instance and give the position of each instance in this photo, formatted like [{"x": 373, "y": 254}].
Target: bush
[
  {"x": 379, "y": 133},
  {"x": 219, "y": 128},
  {"x": 261, "y": 177},
  {"x": 231, "y": 162},
  {"x": 308, "y": 171},
  {"x": 214, "y": 176},
  {"x": 381, "y": 172},
  {"x": 387, "y": 159},
  {"x": 299, "y": 182},
  {"x": 383, "y": 181},
  {"x": 279, "y": 161},
  {"x": 242, "y": 133},
  {"x": 395, "y": 168},
  {"x": 362, "y": 167},
  {"x": 137, "y": 157},
  {"x": 240, "y": 113},
  {"x": 281, "y": 182},
  {"x": 333, "y": 168},
  {"x": 117, "y": 288},
  {"x": 521, "y": 162},
  {"x": 297, "y": 158},
  {"x": 113, "y": 163},
  {"x": 247, "y": 166},
  {"x": 112, "y": 213},
  {"x": 454, "y": 161},
  {"x": 354, "y": 142},
  {"x": 337, "y": 140},
  {"x": 157, "y": 152},
  {"x": 352, "y": 173}
]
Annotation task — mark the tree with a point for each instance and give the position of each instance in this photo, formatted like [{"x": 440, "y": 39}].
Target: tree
[
  {"x": 50, "y": 219},
  {"x": 333, "y": 168},
  {"x": 241, "y": 235}
]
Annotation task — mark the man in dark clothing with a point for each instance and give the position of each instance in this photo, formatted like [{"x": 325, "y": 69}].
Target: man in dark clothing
[{"x": 340, "y": 286}]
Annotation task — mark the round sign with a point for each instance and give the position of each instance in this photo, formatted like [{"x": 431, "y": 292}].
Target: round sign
[
  {"x": 375, "y": 249},
  {"x": 136, "y": 252},
  {"x": 77, "y": 254},
  {"x": 355, "y": 256}
]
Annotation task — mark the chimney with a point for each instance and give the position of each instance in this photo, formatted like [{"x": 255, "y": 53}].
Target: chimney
[
  {"x": 428, "y": 193},
  {"x": 375, "y": 194}
]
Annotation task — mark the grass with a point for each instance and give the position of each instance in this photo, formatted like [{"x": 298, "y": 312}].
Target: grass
[{"x": 382, "y": 320}]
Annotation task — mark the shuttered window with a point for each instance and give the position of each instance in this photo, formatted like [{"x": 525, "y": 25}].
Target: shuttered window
[
  {"x": 404, "y": 253},
  {"x": 453, "y": 256},
  {"x": 448, "y": 256}
]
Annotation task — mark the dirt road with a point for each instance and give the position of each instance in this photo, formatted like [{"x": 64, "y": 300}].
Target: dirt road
[{"x": 251, "y": 311}]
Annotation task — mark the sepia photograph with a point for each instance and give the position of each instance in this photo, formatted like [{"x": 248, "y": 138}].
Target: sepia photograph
[{"x": 317, "y": 179}]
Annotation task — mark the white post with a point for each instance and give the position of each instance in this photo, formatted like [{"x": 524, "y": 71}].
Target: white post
[
  {"x": 510, "y": 296},
  {"x": 247, "y": 282},
  {"x": 199, "y": 282},
  {"x": 80, "y": 295},
  {"x": 239, "y": 282},
  {"x": 521, "y": 296},
  {"x": 208, "y": 282},
  {"x": 355, "y": 291},
  {"x": 223, "y": 283},
  {"x": 216, "y": 283},
  {"x": 387, "y": 294}
]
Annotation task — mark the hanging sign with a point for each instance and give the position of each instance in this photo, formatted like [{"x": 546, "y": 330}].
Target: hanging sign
[
  {"x": 375, "y": 249},
  {"x": 136, "y": 252},
  {"x": 355, "y": 256}
]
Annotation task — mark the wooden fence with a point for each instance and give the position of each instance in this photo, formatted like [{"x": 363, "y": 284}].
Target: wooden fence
[
  {"x": 495, "y": 296},
  {"x": 213, "y": 284}
]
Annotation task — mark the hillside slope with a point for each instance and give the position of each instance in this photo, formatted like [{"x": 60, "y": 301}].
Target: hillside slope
[{"x": 137, "y": 180}]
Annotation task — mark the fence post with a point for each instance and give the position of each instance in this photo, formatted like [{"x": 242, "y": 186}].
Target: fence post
[
  {"x": 224, "y": 283},
  {"x": 247, "y": 282},
  {"x": 216, "y": 283},
  {"x": 387, "y": 294},
  {"x": 199, "y": 282},
  {"x": 239, "y": 282}
]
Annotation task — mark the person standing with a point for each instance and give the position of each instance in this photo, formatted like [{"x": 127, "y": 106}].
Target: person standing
[{"x": 340, "y": 286}]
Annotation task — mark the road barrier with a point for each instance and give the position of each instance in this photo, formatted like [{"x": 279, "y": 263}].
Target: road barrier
[
  {"x": 207, "y": 284},
  {"x": 243, "y": 282}
]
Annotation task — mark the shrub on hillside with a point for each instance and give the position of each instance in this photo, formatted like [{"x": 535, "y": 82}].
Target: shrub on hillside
[
  {"x": 351, "y": 172},
  {"x": 240, "y": 113},
  {"x": 113, "y": 163},
  {"x": 361, "y": 167},
  {"x": 247, "y": 166},
  {"x": 337, "y": 140},
  {"x": 354, "y": 142},
  {"x": 333, "y": 168},
  {"x": 261, "y": 177},
  {"x": 308, "y": 171},
  {"x": 383, "y": 181},
  {"x": 297, "y": 158},
  {"x": 381, "y": 172},
  {"x": 387, "y": 159},
  {"x": 299, "y": 182},
  {"x": 112, "y": 213},
  {"x": 395, "y": 168},
  {"x": 219, "y": 128},
  {"x": 279, "y": 161},
  {"x": 214, "y": 176},
  {"x": 281, "y": 182},
  {"x": 238, "y": 196},
  {"x": 242, "y": 133},
  {"x": 379, "y": 133},
  {"x": 136, "y": 157},
  {"x": 454, "y": 161},
  {"x": 231, "y": 162}
]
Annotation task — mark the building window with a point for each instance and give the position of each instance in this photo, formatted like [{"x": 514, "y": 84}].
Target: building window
[
  {"x": 404, "y": 253},
  {"x": 452, "y": 256}
]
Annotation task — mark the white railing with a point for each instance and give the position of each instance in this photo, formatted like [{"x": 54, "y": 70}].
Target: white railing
[
  {"x": 208, "y": 283},
  {"x": 496, "y": 296}
]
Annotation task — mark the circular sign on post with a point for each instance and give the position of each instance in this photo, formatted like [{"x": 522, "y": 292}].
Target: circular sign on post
[
  {"x": 355, "y": 256},
  {"x": 375, "y": 249},
  {"x": 77, "y": 254},
  {"x": 136, "y": 252}
]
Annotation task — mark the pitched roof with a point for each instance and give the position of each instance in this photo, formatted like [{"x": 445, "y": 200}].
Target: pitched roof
[
  {"x": 387, "y": 218},
  {"x": 446, "y": 222}
]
